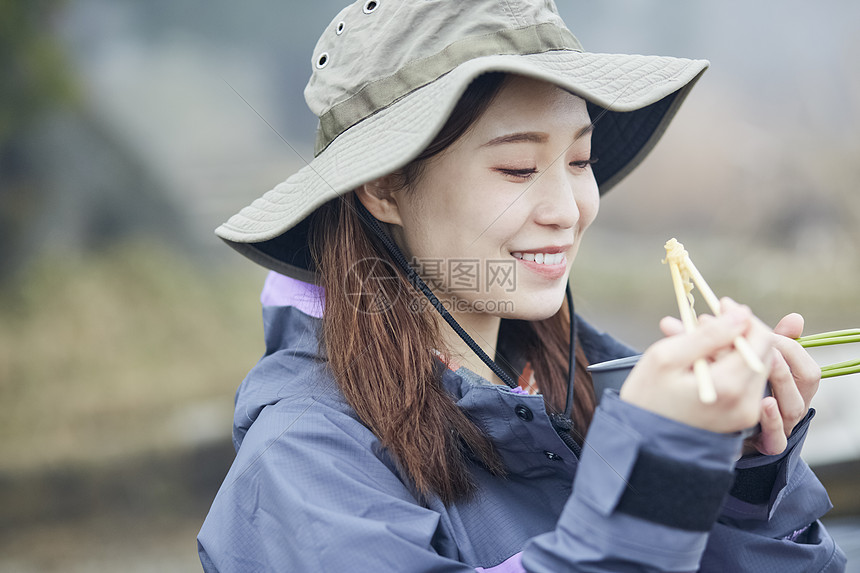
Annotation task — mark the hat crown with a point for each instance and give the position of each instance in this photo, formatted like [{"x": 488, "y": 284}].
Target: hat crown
[
  {"x": 373, "y": 39},
  {"x": 376, "y": 51}
]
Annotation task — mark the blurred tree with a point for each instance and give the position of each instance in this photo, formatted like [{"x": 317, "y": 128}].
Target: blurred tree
[
  {"x": 32, "y": 68},
  {"x": 33, "y": 78},
  {"x": 68, "y": 178}
]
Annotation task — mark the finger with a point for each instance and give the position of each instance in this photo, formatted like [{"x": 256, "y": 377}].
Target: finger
[
  {"x": 706, "y": 340},
  {"x": 791, "y": 404},
  {"x": 734, "y": 379},
  {"x": 670, "y": 326},
  {"x": 805, "y": 371},
  {"x": 758, "y": 335},
  {"x": 791, "y": 326},
  {"x": 720, "y": 354},
  {"x": 772, "y": 439}
]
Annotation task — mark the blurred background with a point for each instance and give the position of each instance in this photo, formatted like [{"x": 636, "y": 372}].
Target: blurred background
[{"x": 129, "y": 130}]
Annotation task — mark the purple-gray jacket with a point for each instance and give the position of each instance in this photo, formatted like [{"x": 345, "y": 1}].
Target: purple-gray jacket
[{"x": 312, "y": 489}]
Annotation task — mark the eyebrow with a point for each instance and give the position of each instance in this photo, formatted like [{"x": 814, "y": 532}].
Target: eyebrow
[{"x": 531, "y": 137}]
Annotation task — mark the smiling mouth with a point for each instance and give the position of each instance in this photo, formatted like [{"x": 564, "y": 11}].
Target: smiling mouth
[{"x": 541, "y": 258}]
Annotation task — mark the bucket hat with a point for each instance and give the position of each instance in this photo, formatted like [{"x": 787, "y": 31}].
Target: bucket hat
[{"x": 386, "y": 74}]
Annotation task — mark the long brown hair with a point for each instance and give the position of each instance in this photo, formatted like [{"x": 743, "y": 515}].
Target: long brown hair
[{"x": 381, "y": 350}]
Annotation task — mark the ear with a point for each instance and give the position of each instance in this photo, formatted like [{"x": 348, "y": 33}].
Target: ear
[{"x": 380, "y": 198}]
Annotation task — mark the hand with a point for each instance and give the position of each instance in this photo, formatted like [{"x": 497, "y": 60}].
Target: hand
[
  {"x": 663, "y": 380},
  {"x": 794, "y": 381}
]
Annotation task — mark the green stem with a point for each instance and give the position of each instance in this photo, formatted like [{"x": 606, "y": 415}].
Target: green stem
[
  {"x": 830, "y": 373},
  {"x": 831, "y": 338},
  {"x": 812, "y": 343},
  {"x": 846, "y": 364},
  {"x": 837, "y": 336}
]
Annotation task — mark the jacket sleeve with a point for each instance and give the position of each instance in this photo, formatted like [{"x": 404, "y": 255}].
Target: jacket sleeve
[
  {"x": 770, "y": 519},
  {"x": 647, "y": 492}
]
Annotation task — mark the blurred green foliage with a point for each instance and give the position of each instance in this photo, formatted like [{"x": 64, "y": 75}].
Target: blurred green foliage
[
  {"x": 111, "y": 354},
  {"x": 33, "y": 79},
  {"x": 33, "y": 72}
]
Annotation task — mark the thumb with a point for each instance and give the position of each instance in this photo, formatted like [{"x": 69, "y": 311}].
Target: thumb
[{"x": 791, "y": 326}]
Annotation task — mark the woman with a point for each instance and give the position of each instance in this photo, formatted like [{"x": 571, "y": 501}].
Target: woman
[{"x": 461, "y": 152}]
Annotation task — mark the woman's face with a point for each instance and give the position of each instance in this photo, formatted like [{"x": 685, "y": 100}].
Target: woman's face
[{"x": 494, "y": 222}]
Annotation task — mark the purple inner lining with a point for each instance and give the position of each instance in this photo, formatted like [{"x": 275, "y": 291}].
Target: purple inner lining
[
  {"x": 281, "y": 290},
  {"x": 513, "y": 564}
]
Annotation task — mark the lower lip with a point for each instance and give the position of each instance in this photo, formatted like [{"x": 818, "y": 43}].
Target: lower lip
[{"x": 555, "y": 271}]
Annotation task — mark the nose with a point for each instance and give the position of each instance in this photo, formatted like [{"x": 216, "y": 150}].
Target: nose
[{"x": 560, "y": 195}]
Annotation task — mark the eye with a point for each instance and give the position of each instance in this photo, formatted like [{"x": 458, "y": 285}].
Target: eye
[
  {"x": 584, "y": 164},
  {"x": 523, "y": 174}
]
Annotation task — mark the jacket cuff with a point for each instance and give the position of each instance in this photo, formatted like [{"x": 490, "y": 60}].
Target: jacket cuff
[
  {"x": 760, "y": 481},
  {"x": 644, "y": 452},
  {"x": 647, "y": 491}
]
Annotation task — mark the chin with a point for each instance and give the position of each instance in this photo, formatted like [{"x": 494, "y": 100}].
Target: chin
[
  {"x": 535, "y": 309},
  {"x": 534, "y": 314}
]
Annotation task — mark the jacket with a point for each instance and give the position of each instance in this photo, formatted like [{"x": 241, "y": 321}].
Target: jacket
[{"x": 312, "y": 489}]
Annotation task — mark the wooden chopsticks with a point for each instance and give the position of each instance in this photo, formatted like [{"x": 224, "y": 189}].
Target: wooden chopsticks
[{"x": 684, "y": 276}]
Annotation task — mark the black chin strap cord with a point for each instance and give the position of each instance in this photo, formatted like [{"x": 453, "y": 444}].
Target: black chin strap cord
[
  {"x": 562, "y": 423},
  {"x": 574, "y": 336}
]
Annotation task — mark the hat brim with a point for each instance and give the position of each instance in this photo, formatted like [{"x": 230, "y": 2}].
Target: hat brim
[{"x": 631, "y": 99}]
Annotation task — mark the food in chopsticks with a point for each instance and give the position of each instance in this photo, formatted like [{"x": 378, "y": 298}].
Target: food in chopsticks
[
  {"x": 679, "y": 254},
  {"x": 675, "y": 255},
  {"x": 684, "y": 276},
  {"x": 829, "y": 339}
]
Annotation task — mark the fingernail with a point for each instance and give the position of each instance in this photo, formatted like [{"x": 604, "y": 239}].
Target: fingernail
[{"x": 771, "y": 410}]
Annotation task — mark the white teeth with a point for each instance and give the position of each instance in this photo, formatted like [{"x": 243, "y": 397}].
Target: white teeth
[{"x": 540, "y": 258}]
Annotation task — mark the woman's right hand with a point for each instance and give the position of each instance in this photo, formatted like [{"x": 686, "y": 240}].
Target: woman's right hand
[{"x": 663, "y": 380}]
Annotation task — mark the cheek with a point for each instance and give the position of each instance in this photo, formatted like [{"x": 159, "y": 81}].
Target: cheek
[
  {"x": 589, "y": 206},
  {"x": 413, "y": 234},
  {"x": 430, "y": 231},
  {"x": 455, "y": 222}
]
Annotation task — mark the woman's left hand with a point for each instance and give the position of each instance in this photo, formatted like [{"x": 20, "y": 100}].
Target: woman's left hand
[{"x": 793, "y": 380}]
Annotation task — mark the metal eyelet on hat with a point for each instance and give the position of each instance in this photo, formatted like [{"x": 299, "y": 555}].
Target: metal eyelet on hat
[
  {"x": 322, "y": 61},
  {"x": 370, "y": 6},
  {"x": 340, "y": 27}
]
